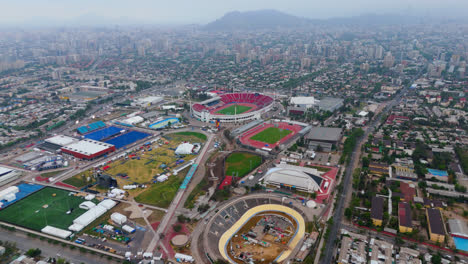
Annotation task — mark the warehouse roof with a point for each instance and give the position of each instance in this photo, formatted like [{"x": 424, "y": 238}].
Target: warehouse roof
[
  {"x": 377, "y": 208},
  {"x": 325, "y": 134},
  {"x": 302, "y": 100},
  {"x": 436, "y": 223},
  {"x": 88, "y": 146},
  {"x": 61, "y": 140},
  {"x": 458, "y": 227}
]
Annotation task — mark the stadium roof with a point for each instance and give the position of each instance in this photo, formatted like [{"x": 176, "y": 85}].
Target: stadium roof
[
  {"x": 61, "y": 140},
  {"x": 88, "y": 146},
  {"x": 303, "y": 178},
  {"x": 324, "y": 134}
]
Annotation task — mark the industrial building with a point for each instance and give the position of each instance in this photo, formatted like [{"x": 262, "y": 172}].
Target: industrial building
[
  {"x": 436, "y": 225},
  {"x": 302, "y": 101},
  {"x": 377, "y": 210},
  {"x": 8, "y": 175},
  {"x": 88, "y": 149},
  {"x": 148, "y": 101},
  {"x": 56, "y": 142},
  {"x": 329, "y": 104},
  {"x": 325, "y": 137}
]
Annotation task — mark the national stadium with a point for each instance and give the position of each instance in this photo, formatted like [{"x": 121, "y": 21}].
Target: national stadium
[{"x": 232, "y": 107}]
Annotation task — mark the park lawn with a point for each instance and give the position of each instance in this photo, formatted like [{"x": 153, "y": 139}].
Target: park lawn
[
  {"x": 241, "y": 163},
  {"x": 143, "y": 170},
  {"x": 231, "y": 110},
  {"x": 29, "y": 211},
  {"x": 80, "y": 180},
  {"x": 161, "y": 194},
  {"x": 187, "y": 136},
  {"x": 197, "y": 192},
  {"x": 271, "y": 135},
  {"x": 51, "y": 174}
]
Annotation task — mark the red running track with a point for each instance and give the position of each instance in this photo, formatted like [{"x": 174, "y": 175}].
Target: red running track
[{"x": 246, "y": 137}]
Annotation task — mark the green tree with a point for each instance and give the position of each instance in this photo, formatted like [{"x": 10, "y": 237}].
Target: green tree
[{"x": 33, "y": 252}]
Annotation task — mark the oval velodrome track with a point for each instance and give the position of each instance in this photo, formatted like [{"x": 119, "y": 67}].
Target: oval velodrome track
[{"x": 224, "y": 240}]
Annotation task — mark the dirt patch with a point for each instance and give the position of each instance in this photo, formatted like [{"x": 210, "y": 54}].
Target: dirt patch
[{"x": 253, "y": 241}]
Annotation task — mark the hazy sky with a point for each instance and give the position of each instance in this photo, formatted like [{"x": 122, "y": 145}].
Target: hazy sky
[{"x": 203, "y": 11}]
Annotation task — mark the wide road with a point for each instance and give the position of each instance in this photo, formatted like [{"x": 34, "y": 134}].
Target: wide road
[
  {"x": 338, "y": 212},
  {"x": 24, "y": 243}
]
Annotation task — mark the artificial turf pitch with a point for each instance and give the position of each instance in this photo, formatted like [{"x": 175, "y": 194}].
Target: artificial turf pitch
[
  {"x": 29, "y": 211},
  {"x": 231, "y": 110},
  {"x": 271, "y": 135}
]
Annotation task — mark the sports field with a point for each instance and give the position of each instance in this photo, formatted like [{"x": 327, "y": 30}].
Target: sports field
[
  {"x": 271, "y": 135},
  {"x": 42, "y": 208},
  {"x": 241, "y": 163},
  {"x": 234, "y": 110}
]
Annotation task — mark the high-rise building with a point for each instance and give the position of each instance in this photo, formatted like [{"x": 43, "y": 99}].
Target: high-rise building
[{"x": 389, "y": 60}]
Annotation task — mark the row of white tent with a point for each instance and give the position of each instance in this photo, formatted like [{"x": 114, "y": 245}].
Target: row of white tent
[{"x": 92, "y": 214}]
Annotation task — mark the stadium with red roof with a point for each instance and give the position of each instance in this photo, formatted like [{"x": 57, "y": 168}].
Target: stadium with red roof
[{"x": 232, "y": 107}]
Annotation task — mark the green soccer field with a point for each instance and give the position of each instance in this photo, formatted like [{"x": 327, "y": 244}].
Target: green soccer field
[
  {"x": 271, "y": 135},
  {"x": 234, "y": 110},
  {"x": 241, "y": 163},
  {"x": 29, "y": 211}
]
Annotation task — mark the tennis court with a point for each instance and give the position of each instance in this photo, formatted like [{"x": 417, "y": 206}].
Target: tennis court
[{"x": 48, "y": 206}]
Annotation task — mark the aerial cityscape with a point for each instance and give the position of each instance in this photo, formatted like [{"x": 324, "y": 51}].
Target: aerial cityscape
[{"x": 253, "y": 135}]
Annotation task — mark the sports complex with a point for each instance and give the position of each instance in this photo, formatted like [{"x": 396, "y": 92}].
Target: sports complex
[{"x": 233, "y": 107}]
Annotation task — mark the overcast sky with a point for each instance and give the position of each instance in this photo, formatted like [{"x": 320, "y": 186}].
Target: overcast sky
[{"x": 203, "y": 11}]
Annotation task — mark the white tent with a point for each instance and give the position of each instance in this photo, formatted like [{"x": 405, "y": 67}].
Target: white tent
[
  {"x": 50, "y": 230},
  {"x": 76, "y": 227},
  {"x": 108, "y": 203},
  {"x": 184, "y": 149},
  {"x": 9, "y": 197},
  {"x": 90, "y": 215},
  {"x": 128, "y": 229},
  {"x": 87, "y": 205},
  {"x": 119, "y": 219},
  {"x": 8, "y": 191},
  {"x": 183, "y": 257},
  {"x": 162, "y": 178},
  {"x": 90, "y": 197}
]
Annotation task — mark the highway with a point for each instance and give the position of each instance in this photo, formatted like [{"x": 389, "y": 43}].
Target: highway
[{"x": 338, "y": 212}]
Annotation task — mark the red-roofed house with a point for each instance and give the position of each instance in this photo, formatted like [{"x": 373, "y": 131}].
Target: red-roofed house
[
  {"x": 408, "y": 191},
  {"x": 404, "y": 218}
]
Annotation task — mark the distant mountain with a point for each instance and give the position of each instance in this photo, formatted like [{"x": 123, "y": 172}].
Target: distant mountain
[
  {"x": 253, "y": 20},
  {"x": 272, "y": 19}
]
